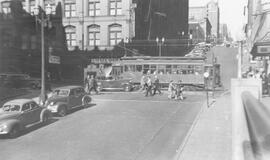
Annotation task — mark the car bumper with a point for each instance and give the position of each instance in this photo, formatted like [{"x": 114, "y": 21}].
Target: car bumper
[{"x": 3, "y": 132}]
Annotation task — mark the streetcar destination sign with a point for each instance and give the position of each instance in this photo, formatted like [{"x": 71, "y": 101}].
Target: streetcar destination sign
[{"x": 263, "y": 49}]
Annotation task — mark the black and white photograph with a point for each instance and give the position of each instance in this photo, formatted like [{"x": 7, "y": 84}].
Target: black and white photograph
[{"x": 134, "y": 79}]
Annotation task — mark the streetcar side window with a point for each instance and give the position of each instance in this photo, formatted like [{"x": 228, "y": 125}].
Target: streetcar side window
[
  {"x": 126, "y": 68},
  {"x": 145, "y": 68},
  {"x": 168, "y": 69},
  {"x": 174, "y": 69},
  {"x": 138, "y": 68},
  {"x": 153, "y": 68},
  {"x": 161, "y": 69},
  {"x": 198, "y": 69}
]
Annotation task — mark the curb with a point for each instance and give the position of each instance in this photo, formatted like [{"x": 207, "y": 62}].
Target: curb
[{"x": 182, "y": 146}]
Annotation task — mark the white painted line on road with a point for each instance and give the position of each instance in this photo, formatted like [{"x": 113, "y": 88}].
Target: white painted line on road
[{"x": 130, "y": 100}]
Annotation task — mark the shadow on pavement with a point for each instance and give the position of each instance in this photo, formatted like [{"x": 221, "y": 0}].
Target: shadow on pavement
[
  {"x": 31, "y": 128},
  {"x": 77, "y": 109}
]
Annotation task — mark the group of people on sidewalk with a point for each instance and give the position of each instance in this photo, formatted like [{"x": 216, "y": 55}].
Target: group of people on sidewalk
[
  {"x": 151, "y": 87},
  {"x": 259, "y": 74}
]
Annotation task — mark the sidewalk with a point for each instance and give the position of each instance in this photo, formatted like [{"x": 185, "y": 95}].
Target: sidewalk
[{"x": 210, "y": 137}]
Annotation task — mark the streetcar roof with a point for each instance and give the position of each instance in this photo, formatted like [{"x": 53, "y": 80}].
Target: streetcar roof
[{"x": 162, "y": 58}]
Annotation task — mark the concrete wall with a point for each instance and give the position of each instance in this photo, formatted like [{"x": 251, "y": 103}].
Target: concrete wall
[{"x": 240, "y": 133}]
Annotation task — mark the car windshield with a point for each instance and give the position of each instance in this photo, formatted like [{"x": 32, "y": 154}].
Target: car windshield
[
  {"x": 11, "y": 108},
  {"x": 61, "y": 92}
]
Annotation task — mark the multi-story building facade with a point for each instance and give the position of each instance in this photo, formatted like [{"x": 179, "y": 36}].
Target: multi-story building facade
[
  {"x": 200, "y": 30},
  {"x": 224, "y": 33},
  {"x": 209, "y": 11},
  {"x": 212, "y": 13},
  {"x": 102, "y": 23},
  {"x": 89, "y": 23}
]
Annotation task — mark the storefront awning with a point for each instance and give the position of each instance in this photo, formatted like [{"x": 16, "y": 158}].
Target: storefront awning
[{"x": 260, "y": 35}]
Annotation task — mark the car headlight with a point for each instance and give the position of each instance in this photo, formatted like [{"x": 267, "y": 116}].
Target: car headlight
[
  {"x": 52, "y": 103},
  {"x": 3, "y": 127}
]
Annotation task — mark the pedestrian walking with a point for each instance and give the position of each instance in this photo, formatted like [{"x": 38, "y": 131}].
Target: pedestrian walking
[
  {"x": 143, "y": 83},
  {"x": 179, "y": 90},
  {"x": 149, "y": 86},
  {"x": 268, "y": 83},
  {"x": 171, "y": 89},
  {"x": 156, "y": 86},
  {"x": 92, "y": 84},
  {"x": 86, "y": 83}
]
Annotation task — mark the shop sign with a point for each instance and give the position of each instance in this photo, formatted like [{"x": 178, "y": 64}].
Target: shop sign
[
  {"x": 263, "y": 49},
  {"x": 104, "y": 60},
  {"x": 54, "y": 59}
]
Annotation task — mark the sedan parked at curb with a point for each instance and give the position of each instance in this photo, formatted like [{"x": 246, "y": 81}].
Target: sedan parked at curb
[
  {"x": 64, "y": 99},
  {"x": 15, "y": 115}
]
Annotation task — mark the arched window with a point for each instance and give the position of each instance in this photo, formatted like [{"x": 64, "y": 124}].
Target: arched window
[
  {"x": 93, "y": 7},
  {"x": 71, "y": 36},
  {"x": 94, "y": 35},
  {"x": 115, "y": 34}
]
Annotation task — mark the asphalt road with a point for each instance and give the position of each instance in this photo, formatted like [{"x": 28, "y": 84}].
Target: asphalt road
[{"x": 118, "y": 126}]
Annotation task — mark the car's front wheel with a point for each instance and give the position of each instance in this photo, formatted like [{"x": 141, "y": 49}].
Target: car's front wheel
[
  {"x": 126, "y": 88},
  {"x": 87, "y": 101},
  {"x": 62, "y": 111},
  {"x": 45, "y": 118},
  {"x": 14, "y": 132}
]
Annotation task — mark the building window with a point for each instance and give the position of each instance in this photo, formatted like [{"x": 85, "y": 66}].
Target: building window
[
  {"x": 70, "y": 9},
  {"x": 115, "y": 7},
  {"x": 94, "y": 35},
  {"x": 33, "y": 42},
  {"x": 71, "y": 36},
  {"x": 24, "y": 42},
  {"x": 6, "y": 7},
  {"x": 32, "y": 7},
  {"x": 115, "y": 34},
  {"x": 94, "y": 8},
  {"x": 7, "y": 37},
  {"x": 48, "y": 4},
  {"x": 24, "y": 5}
]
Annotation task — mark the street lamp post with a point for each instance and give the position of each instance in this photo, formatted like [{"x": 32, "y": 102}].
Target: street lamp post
[
  {"x": 126, "y": 40},
  {"x": 42, "y": 21},
  {"x": 206, "y": 75},
  {"x": 160, "y": 42}
]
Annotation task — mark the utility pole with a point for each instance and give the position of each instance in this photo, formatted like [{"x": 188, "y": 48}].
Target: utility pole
[{"x": 240, "y": 50}]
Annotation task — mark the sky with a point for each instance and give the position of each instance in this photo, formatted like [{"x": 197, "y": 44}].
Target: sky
[{"x": 231, "y": 13}]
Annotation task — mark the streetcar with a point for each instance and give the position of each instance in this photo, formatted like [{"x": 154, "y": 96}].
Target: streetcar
[{"x": 190, "y": 70}]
